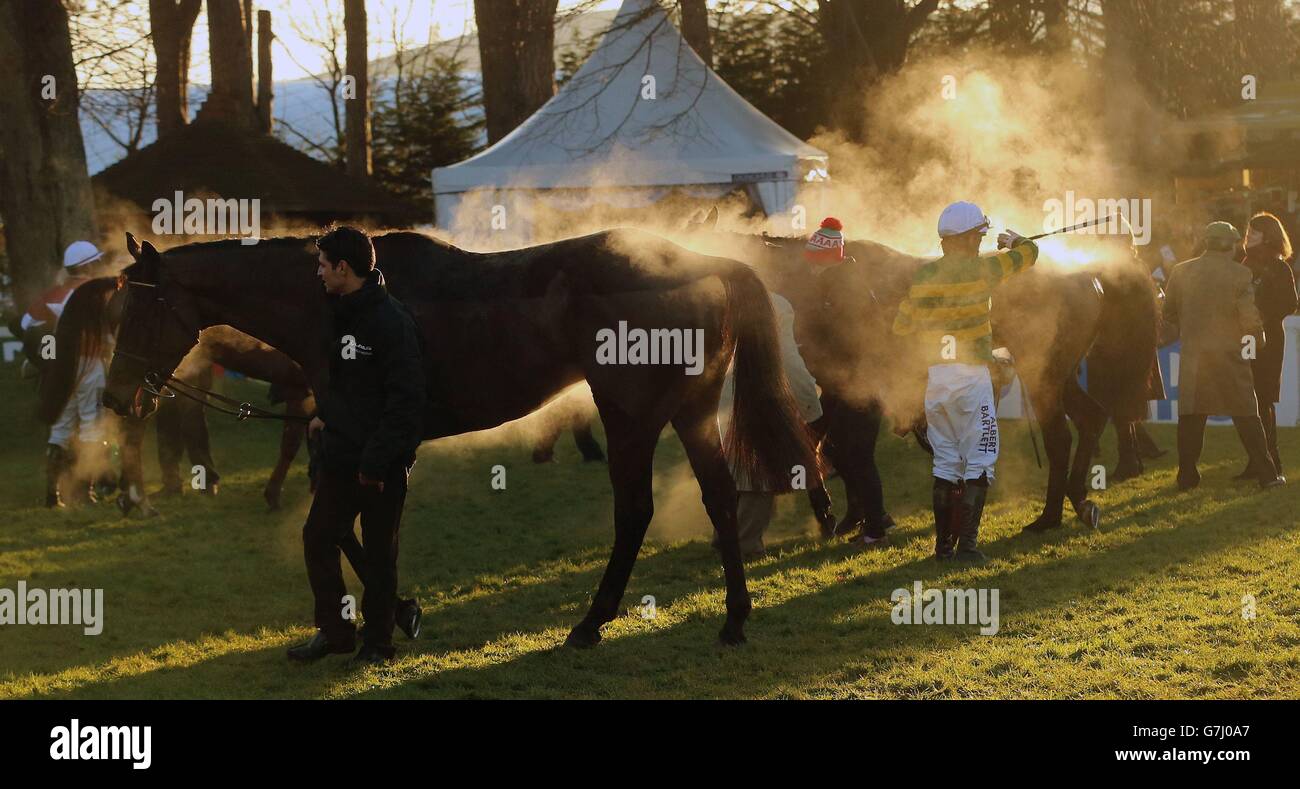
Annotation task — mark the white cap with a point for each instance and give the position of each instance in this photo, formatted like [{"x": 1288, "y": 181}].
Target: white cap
[
  {"x": 79, "y": 253},
  {"x": 961, "y": 217}
]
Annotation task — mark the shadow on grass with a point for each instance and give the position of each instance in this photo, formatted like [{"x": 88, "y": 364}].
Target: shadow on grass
[{"x": 512, "y": 630}]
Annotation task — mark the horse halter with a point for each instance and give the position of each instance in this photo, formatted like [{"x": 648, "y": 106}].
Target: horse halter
[{"x": 153, "y": 382}]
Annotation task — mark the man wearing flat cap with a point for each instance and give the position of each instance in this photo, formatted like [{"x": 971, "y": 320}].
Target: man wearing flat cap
[{"x": 1210, "y": 307}]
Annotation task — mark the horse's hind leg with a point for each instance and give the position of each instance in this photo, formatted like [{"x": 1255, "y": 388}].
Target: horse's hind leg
[
  {"x": 1130, "y": 461},
  {"x": 631, "y": 469},
  {"x": 698, "y": 430},
  {"x": 1056, "y": 443},
  {"x": 1089, "y": 419}
]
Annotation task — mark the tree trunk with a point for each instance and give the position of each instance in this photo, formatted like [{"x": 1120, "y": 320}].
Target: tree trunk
[
  {"x": 516, "y": 42},
  {"x": 231, "y": 99},
  {"x": 1056, "y": 26},
  {"x": 695, "y": 28},
  {"x": 863, "y": 41},
  {"x": 171, "y": 25},
  {"x": 265, "y": 91},
  {"x": 357, "y": 131},
  {"x": 44, "y": 187}
]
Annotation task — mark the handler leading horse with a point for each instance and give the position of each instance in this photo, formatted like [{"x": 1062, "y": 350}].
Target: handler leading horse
[{"x": 506, "y": 332}]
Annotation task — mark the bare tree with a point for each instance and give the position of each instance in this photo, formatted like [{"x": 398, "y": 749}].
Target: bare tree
[
  {"x": 265, "y": 89},
  {"x": 44, "y": 187},
  {"x": 323, "y": 29},
  {"x": 358, "y": 103},
  {"x": 516, "y": 41},
  {"x": 115, "y": 77},
  {"x": 695, "y": 28},
  {"x": 172, "y": 27},
  {"x": 231, "y": 99}
]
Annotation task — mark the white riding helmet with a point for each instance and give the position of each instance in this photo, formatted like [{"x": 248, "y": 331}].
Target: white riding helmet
[
  {"x": 961, "y": 217},
  {"x": 79, "y": 253}
]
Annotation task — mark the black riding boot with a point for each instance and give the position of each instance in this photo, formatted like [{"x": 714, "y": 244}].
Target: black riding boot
[
  {"x": 972, "y": 509},
  {"x": 945, "y": 504},
  {"x": 55, "y": 460}
]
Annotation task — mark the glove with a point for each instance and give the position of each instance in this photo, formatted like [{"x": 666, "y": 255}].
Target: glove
[{"x": 1009, "y": 239}]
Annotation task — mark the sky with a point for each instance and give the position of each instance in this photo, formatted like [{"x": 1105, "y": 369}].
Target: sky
[
  {"x": 296, "y": 22},
  {"x": 424, "y": 20}
]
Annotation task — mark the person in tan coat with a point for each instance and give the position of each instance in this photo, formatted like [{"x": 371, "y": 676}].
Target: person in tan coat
[{"x": 1210, "y": 306}]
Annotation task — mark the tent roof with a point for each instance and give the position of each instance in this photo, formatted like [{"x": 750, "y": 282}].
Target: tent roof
[{"x": 598, "y": 130}]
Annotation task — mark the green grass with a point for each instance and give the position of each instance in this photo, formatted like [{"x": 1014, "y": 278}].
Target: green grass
[{"x": 201, "y": 602}]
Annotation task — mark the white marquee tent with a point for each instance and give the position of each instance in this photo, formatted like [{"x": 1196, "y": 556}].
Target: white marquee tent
[{"x": 644, "y": 115}]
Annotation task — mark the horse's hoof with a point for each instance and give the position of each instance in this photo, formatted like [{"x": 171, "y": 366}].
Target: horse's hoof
[
  {"x": 582, "y": 638},
  {"x": 148, "y": 510},
  {"x": 124, "y": 504},
  {"x": 1125, "y": 473},
  {"x": 732, "y": 635},
  {"x": 1089, "y": 514},
  {"x": 1042, "y": 524},
  {"x": 272, "y": 499}
]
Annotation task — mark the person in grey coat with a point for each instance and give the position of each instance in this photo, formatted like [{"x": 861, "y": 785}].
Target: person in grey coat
[{"x": 1210, "y": 307}]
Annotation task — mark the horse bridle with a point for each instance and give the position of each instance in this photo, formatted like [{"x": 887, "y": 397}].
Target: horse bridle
[{"x": 155, "y": 384}]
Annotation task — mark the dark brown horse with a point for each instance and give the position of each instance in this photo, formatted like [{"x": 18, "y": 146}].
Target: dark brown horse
[
  {"x": 1050, "y": 321},
  {"x": 94, "y": 310},
  {"x": 504, "y": 333}
]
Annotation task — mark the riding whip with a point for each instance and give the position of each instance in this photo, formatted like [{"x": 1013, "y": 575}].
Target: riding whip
[{"x": 1079, "y": 226}]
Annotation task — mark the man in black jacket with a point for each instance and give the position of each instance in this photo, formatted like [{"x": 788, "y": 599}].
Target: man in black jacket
[{"x": 370, "y": 417}]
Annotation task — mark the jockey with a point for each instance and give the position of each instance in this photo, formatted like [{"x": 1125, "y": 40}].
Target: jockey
[
  {"x": 947, "y": 308},
  {"x": 80, "y": 417},
  {"x": 46, "y": 309}
]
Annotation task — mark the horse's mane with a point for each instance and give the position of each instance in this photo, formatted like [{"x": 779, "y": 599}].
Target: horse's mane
[{"x": 79, "y": 333}]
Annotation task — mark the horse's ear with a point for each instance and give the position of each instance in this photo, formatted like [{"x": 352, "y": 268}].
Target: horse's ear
[
  {"x": 132, "y": 245},
  {"x": 711, "y": 218},
  {"x": 149, "y": 249}
]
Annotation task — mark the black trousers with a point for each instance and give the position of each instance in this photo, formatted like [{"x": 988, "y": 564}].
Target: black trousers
[
  {"x": 851, "y": 433},
  {"x": 339, "y": 499},
  {"x": 1191, "y": 439}
]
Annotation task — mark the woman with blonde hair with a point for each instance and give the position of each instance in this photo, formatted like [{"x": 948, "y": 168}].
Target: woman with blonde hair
[{"x": 1267, "y": 251}]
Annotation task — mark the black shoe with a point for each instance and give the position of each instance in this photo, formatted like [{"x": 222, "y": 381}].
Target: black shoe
[
  {"x": 970, "y": 555},
  {"x": 372, "y": 655},
  {"x": 318, "y": 647},
  {"x": 408, "y": 618},
  {"x": 1275, "y": 482},
  {"x": 1188, "y": 482}
]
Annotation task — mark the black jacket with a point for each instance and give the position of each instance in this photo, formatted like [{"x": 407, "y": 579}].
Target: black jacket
[
  {"x": 1275, "y": 296},
  {"x": 374, "y": 400}
]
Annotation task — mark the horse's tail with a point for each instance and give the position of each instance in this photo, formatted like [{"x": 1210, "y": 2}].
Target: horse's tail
[
  {"x": 79, "y": 333},
  {"x": 767, "y": 439}
]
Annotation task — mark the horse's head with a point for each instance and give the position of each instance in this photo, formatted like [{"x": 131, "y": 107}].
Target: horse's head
[{"x": 158, "y": 326}]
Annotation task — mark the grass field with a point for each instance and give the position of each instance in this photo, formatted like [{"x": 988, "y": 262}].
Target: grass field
[{"x": 202, "y": 602}]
